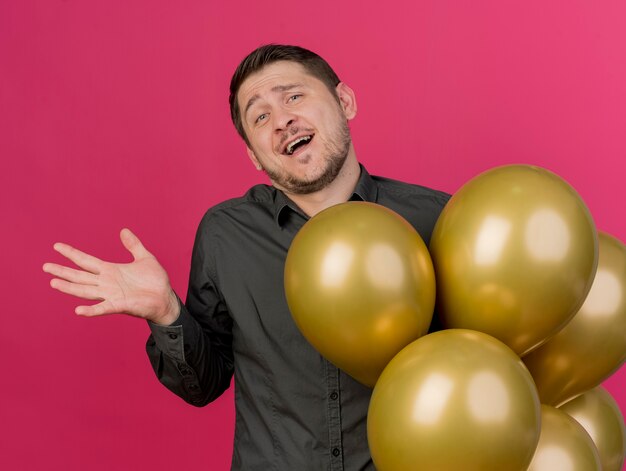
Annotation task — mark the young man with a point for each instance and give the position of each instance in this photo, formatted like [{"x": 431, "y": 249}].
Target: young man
[{"x": 294, "y": 410}]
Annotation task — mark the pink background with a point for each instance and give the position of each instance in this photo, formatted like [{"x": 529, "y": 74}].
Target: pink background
[{"x": 114, "y": 113}]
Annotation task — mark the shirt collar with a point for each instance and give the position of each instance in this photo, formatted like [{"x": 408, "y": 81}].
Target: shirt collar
[{"x": 365, "y": 190}]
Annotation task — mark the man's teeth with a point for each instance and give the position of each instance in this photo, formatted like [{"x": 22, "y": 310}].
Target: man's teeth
[{"x": 291, "y": 145}]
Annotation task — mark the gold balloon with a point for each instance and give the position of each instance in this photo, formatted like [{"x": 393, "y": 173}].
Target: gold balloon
[
  {"x": 599, "y": 414},
  {"x": 564, "y": 445},
  {"x": 360, "y": 286},
  {"x": 593, "y": 345},
  {"x": 515, "y": 251},
  {"x": 454, "y": 400}
]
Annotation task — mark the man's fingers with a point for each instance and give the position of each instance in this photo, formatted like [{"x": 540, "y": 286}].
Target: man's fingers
[
  {"x": 83, "y": 260},
  {"x": 99, "y": 309},
  {"x": 69, "y": 274},
  {"x": 75, "y": 289},
  {"x": 133, "y": 244}
]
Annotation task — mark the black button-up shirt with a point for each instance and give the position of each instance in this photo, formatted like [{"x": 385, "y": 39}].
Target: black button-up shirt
[{"x": 294, "y": 409}]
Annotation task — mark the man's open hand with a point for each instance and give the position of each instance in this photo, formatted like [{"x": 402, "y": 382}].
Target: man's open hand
[{"x": 140, "y": 288}]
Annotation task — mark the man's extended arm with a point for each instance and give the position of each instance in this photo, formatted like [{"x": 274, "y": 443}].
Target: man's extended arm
[{"x": 192, "y": 356}]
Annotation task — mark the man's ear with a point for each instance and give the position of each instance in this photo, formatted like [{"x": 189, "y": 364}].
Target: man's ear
[
  {"x": 347, "y": 99},
  {"x": 253, "y": 158}
]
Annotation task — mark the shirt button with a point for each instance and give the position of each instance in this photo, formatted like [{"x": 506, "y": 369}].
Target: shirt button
[
  {"x": 336, "y": 452},
  {"x": 334, "y": 395},
  {"x": 173, "y": 336}
]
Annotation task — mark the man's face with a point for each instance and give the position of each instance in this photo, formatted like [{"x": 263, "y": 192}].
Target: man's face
[{"x": 296, "y": 128}]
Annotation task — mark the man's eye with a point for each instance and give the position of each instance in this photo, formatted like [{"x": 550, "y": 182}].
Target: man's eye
[
  {"x": 294, "y": 97},
  {"x": 261, "y": 118}
]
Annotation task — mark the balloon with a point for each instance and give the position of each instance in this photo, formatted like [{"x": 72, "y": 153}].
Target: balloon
[
  {"x": 454, "y": 400},
  {"x": 515, "y": 251},
  {"x": 564, "y": 445},
  {"x": 599, "y": 414},
  {"x": 593, "y": 345},
  {"x": 360, "y": 286}
]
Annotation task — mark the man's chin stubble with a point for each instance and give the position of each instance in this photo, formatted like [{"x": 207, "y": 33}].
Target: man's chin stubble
[{"x": 334, "y": 163}]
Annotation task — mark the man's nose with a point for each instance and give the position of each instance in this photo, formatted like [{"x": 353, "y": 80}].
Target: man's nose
[{"x": 284, "y": 119}]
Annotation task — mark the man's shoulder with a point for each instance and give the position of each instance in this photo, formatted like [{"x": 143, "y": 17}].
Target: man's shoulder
[
  {"x": 257, "y": 195},
  {"x": 258, "y": 198},
  {"x": 399, "y": 188},
  {"x": 418, "y": 204}
]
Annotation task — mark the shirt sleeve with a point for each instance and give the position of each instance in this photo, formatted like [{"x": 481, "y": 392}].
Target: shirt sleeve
[{"x": 193, "y": 357}]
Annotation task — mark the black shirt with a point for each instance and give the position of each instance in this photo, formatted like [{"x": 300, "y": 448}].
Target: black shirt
[{"x": 294, "y": 409}]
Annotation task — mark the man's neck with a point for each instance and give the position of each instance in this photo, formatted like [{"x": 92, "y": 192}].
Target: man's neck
[{"x": 338, "y": 191}]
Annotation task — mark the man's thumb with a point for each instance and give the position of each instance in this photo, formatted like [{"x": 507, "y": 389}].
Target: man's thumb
[{"x": 133, "y": 244}]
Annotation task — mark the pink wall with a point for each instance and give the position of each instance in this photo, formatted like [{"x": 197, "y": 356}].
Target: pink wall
[{"x": 114, "y": 113}]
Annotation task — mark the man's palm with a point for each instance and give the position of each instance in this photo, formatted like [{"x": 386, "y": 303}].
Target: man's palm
[{"x": 140, "y": 288}]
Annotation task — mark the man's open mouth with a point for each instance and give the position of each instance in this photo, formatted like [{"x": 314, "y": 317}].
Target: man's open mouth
[{"x": 297, "y": 143}]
